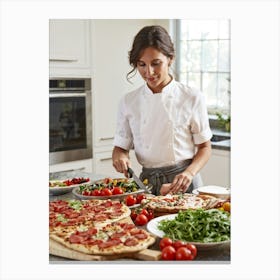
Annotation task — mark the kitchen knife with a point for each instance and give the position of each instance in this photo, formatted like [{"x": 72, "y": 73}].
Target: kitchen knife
[{"x": 140, "y": 184}]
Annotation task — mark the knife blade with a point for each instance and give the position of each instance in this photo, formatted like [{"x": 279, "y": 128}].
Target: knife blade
[{"x": 140, "y": 184}]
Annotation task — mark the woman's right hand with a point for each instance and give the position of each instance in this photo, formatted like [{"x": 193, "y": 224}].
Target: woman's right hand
[{"x": 121, "y": 160}]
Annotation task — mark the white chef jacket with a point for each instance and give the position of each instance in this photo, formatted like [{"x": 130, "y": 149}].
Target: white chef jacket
[{"x": 162, "y": 128}]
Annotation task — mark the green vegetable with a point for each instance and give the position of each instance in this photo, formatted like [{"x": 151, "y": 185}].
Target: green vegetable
[
  {"x": 60, "y": 218},
  {"x": 75, "y": 204},
  {"x": 198, "y": 226}
]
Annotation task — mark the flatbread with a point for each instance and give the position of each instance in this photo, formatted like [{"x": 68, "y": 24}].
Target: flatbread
[
  {"x": 112, "y": 239},
  {"x": 175, "y": 203}
]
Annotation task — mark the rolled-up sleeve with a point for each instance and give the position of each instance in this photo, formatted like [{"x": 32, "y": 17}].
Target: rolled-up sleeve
[
  {"x": 200, "y": 122},
  {"x": 123, "y": 136}
]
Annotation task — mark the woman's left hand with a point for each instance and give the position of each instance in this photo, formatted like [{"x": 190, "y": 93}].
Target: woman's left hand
[{"x": 181, "y": 182}]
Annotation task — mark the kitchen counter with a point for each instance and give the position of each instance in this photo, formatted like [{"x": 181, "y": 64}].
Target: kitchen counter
[
  {"x": 224, "y": 143},
  {"x": 216, "y": 255}
]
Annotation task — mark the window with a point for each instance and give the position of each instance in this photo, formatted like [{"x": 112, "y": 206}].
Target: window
[{"x": 203, "y": 59}]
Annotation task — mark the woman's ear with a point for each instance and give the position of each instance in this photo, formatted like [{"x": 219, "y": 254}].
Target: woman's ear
[{"x": 170, "y": 61}]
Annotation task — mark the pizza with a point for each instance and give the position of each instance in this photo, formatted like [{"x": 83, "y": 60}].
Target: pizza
[
  {"x": 175, "y": 203},
  {"x": 96, "y": 227},
  {"x": 111, "y": 239},
  {"x": 64, "y": 213}
]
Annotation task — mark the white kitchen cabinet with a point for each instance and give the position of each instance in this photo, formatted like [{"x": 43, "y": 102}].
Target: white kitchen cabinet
[
  {"x": 69, "y": 48},
  {"x": 111, "y": 41},
  {"x": 217, "y": 169},
  {"x": 77, "y": 165}
]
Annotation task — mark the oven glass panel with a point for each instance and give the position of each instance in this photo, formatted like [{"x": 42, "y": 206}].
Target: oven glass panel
[{"x": 67, "y": 124}]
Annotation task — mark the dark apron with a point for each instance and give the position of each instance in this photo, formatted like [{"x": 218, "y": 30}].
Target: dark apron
[{"x": 162, "y": 175}]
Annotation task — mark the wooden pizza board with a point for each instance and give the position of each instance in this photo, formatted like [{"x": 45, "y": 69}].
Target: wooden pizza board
[{"x": 60, "y": 250}]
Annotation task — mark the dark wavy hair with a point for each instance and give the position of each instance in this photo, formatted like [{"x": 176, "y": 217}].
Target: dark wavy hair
[{"x": 149, "y": 36}]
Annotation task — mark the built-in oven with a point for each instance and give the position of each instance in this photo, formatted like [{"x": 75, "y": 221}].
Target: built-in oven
[{"x": 70, "y": 120}]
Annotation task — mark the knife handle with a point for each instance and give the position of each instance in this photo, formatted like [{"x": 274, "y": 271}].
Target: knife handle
[{"x": 130, "y": 172}]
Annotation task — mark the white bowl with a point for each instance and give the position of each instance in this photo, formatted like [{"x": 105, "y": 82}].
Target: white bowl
[{"x": 217, "y": 191}]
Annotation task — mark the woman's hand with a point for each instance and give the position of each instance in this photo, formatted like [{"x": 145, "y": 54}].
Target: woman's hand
[
  {"x": 121, "y": 160},
  {"x": 181, "y": 182}
]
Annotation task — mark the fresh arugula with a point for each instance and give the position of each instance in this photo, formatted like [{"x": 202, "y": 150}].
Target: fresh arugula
[{"x": 198, "y": 225}]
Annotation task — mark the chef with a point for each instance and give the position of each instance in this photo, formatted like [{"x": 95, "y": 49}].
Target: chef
[{"x": 164, "y": 121}]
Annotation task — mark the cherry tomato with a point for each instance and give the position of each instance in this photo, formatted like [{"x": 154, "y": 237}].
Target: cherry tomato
[
  {"x": 130, "y": 200},
  {"x": 96, "y": 192},
  {"x": 106, "y": 192},
  {"x": 150, "y": 215},
  {"x": 184, "y": 254},
  {"x": 141, "y": 220},
  {"x": 117, "y": 190},
  {"x": 164, "y": 242},
  {"x": 85, "y": 192},
  {"x": 192, "y": 248},
  {"x": 133, "y": 215},
  {"x": 168, "y": 253},
  {"x": 145, "y": 212},
  {"x": 140, "y": 197},
  {"x": 178, "y": 243}
]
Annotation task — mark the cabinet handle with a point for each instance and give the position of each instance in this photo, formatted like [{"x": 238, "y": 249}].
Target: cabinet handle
[
  {"x": 63, "y": 60},
  {"x": 106, "y": 138},
  {"x": 104, "y": 159}
]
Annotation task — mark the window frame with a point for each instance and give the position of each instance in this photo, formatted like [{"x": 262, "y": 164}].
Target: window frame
[{"x": 175, "y": 27}]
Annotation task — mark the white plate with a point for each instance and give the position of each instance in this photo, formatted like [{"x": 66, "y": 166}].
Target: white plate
[
  {"x": 152, "y": 227},
  {"x": 59, "y": 190},
  {"x": 217, "y": 191}
]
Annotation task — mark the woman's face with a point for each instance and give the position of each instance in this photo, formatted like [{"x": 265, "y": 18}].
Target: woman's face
[{"x": 153, "y": 67}]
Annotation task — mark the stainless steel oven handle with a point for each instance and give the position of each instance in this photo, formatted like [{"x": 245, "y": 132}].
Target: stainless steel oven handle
[{"x": 70, "y": 94}]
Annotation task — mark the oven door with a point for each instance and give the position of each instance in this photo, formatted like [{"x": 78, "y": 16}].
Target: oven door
[{"x": 70, "y": 126}]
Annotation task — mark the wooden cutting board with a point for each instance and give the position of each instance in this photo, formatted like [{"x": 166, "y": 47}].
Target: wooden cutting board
[{"x": 58, "y": 249}]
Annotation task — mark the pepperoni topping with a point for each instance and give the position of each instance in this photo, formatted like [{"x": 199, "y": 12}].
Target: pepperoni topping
[
  {"x": 127, "y": 226},
  {"x": 117, "y": 235},
  {"x": 100, "y": 217},
  {"x": 135, "y": 231},
  {"x": 109, "y": 243},
  {"x": 92, "y": 242},
  {"x": 76, "y": 238},
  {"x": 106, "y": 204},
  {"x": 141, "y": 236},
  {"x": 131, "y": 242},
  {"x": 99, "y": 208}
]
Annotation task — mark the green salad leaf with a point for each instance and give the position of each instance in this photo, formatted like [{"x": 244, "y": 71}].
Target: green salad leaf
[{"x": 198, "y": 225}]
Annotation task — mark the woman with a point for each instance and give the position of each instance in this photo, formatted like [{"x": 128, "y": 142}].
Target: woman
[{"x": 164, "y": 121}]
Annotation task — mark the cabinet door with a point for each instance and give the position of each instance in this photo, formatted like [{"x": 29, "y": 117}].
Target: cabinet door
[
  {"x": 217, "y": 169},
  {"x": 69, "y": 47},
  {"x": 78, "y": 165},
  {"x": 113, "y": 39},
  {"x": 103, "y": 165}
]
